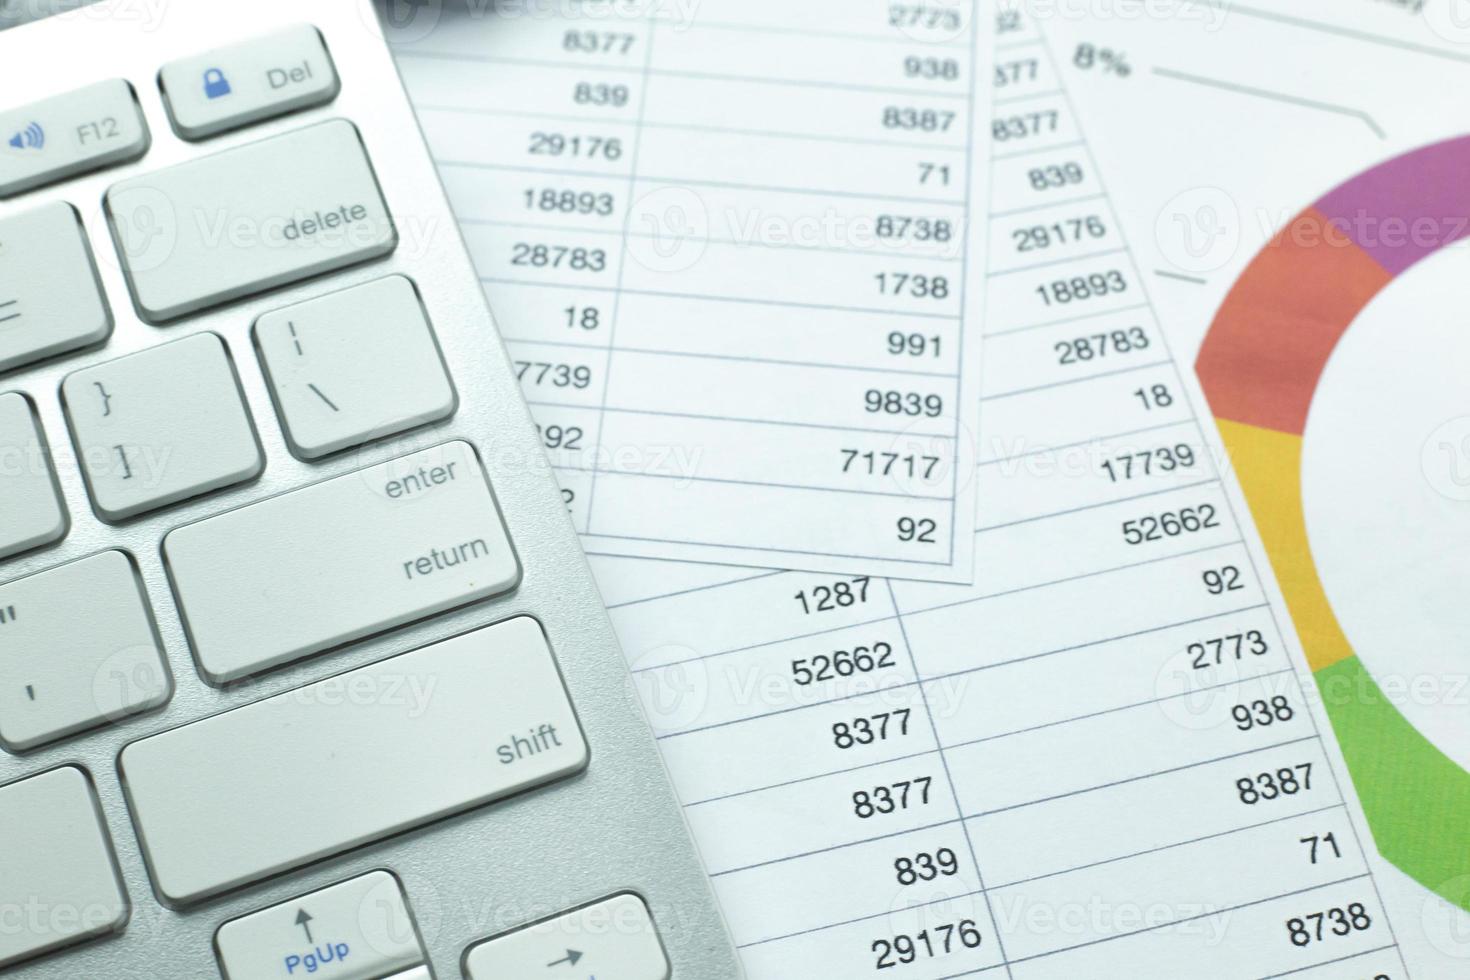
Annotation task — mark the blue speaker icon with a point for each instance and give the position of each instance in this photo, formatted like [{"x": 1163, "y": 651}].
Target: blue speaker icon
[{"x": 33, "y": 137}]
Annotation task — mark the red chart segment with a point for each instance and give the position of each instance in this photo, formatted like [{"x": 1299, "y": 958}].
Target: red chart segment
[
  {"x": 1271, "y": 339},
  {"x": 1260, "y": 365}
]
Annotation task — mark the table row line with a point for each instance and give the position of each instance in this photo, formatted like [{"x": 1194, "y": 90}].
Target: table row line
[
  {"x": 688, "y": 268},
  {"x": 825, "y": 338},
  {"x": 953, "y": 937},
  {"x": 855, "y": 698},
  {"x": 460, "y": 84},
  {"x": 881, "y": 162},
  {"x": 597, "y": 31},
  {"x": 1015, "y": 618},
  {"x": 665, "y": 217},
  {"x": 930, "y": 870},
  {"x": 685, "y": 265},
  {"x": 795, "y": 61}
]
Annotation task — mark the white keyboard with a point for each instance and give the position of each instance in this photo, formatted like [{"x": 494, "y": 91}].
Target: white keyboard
[{"x": 302, "y": 672}]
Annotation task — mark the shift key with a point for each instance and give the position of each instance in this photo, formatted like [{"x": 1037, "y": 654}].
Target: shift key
[
  {"x": 282, "y": 579},
  {"x": 248, "y": 219},
  {"x": 348, "y": 760}
]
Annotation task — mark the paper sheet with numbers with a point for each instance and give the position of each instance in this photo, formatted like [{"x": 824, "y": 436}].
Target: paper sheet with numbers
[
  {"x": 1095, "y": 761},
  {"x": 1238, "y": 126},
  {"x": 727, "y": 244}
]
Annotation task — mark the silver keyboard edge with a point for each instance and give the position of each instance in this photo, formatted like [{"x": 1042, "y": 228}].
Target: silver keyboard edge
[{"x": 618, "y": 826}]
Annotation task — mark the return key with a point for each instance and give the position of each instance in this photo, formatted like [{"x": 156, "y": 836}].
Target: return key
[{"x": 294, "y": 575}]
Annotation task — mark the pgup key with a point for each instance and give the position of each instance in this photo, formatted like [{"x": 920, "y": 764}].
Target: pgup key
[{"x": 359, "y": 929}]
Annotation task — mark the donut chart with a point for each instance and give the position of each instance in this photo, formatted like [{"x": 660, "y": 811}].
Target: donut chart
[{"x": 1260, "y": 365}]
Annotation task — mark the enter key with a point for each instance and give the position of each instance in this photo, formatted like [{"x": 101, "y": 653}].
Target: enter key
[{"x": 312, "y": 569}]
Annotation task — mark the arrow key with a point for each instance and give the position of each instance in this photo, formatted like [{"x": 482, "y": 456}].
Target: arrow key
[
  {"x": 614, "y": 939},
  {"x": 358, "y": 929}
]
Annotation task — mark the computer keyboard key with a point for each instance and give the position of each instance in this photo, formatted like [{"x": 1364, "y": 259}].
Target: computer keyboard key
[
  {"x": 80, "y": 650},
  {"x": 353, "y": 365},
  {"x": 57, "y": 860},
  {"x": 247, "y": 82},
  {"x": 318, "y": 567},
  {"x": 249, "y": 219},
  {"x": 87, "y": 129},
  {"x": 159, "y": 426},
  {"x": 50, "y": 297},
  {"x": 32, "y": 513},
  {"x": 358, "y": 929},
  {"x": 351, "y": 759},
  {"x": 613, "y": 939}
]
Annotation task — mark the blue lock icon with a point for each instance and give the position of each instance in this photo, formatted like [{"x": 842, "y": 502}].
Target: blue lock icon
[{"x": 215, "y": 84}]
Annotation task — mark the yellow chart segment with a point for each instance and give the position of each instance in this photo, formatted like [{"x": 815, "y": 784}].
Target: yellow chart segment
[{"x": 1269, "y": 467}]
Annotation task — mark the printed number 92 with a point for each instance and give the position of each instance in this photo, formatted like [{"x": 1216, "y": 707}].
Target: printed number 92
[{"x": 919, "y": 530}]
